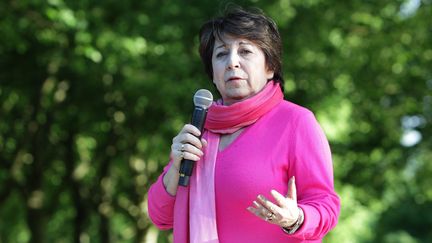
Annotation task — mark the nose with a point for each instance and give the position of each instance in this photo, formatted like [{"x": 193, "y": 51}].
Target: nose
[{"x": 233, "y": 61}]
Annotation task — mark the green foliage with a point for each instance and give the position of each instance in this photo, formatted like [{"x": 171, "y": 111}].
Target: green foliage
[{"x": 92, "y": 92}]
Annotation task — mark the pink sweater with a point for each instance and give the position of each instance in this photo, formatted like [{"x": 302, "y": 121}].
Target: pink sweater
[{"x": 285, "y": 142}]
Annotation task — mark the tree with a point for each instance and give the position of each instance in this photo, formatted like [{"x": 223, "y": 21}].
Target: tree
[{"x": 91, "y": 94}]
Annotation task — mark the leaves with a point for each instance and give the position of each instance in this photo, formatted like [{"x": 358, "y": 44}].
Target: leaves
[{"x": 91, "y": 94}]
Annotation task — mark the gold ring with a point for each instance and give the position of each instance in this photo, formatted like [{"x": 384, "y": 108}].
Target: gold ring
[
  {"x": 182, "y": 147},
  {"x": 270, "y": 216}
]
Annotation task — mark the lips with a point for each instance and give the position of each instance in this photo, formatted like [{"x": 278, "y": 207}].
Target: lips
[{"x": 234, "y": 78}]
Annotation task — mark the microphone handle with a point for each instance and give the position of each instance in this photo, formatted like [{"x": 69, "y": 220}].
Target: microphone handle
[{"x": 186, "y": 167}]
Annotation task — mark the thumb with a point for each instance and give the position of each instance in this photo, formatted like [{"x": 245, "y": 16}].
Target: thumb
[
  {"x": 292, "y": 191},
  {"x": 204, "y": 142}
]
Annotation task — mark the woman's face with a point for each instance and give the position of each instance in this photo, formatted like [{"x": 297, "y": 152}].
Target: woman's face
[{"x": 239, "y": 69}]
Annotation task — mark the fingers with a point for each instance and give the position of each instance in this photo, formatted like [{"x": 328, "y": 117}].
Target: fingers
[
  {"x": 291, "y": 194},
  {"x": 268, "y": 205},
  {"x": 187, "y": 145},
  {"x": 192, "y": 130},
  {"x": 204, "y": 142},
  {"x": 279, "y": 198},
  {"x": 265, "y": 209},
  {"x": 188, "y": 151},
  {"x": 261, "y": 211},
  {"x": 189, "y": 134},
  {"x": 282, "y": 211},
  {"x": 292, "y": 191}
]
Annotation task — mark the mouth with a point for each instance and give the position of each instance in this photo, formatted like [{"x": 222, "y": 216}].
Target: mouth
[{"x": 234, "y": 78}]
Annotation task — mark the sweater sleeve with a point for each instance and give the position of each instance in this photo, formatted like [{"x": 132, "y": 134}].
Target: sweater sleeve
[
  {"x": 311, "y": 164},
  {"x": 161, "y": 204}
]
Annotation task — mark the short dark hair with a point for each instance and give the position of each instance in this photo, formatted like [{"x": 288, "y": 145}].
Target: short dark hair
[{"x": 252, "y": 25}]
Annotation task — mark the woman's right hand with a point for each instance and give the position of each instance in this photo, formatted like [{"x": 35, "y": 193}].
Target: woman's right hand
[{"x": 185, "y": 145}]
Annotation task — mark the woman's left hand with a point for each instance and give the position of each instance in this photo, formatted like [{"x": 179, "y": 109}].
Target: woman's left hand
[{"x": 284, "y": 213}]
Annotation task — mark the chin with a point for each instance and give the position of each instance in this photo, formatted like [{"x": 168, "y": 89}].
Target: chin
[
  {"x": 237, "y": 95},
  {"x": 236, "y": 98}
]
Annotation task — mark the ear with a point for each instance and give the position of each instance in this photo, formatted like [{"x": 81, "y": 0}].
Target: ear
[{"x": 269, "y": 74}]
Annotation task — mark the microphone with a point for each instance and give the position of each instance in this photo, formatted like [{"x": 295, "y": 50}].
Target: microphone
[{"x": 202, "y": 101}]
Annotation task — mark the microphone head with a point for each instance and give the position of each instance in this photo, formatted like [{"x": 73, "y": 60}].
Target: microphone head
[{"x": 203, "y": 98}]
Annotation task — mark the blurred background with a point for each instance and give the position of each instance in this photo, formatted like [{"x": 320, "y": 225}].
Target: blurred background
[{"x": 92, "y": 92}]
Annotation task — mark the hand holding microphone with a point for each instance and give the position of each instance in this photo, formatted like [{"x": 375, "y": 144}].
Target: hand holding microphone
[{"x": 187, "y": 145}]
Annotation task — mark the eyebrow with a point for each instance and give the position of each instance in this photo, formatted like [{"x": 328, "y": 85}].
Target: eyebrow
[{"x": 242, "y": 43}]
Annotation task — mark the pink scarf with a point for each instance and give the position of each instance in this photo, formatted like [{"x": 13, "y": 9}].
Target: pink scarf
[{"x": 221, "y": 120}]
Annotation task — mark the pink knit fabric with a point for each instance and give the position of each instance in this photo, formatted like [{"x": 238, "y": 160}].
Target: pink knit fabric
[
  {"x": 221, "y": 119},
  {"x": 285, "y": 142}
]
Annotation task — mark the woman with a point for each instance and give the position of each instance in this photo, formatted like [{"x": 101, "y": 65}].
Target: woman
[{"x": 264, "y": 170}]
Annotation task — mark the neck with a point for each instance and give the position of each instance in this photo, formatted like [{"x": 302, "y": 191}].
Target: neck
[{"x": 228, "y": 102}]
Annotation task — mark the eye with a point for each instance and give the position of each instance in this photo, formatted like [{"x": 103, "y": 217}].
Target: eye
[
  {"x": 221, "y": 54},
  {"x": 245, "y": 51}
]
